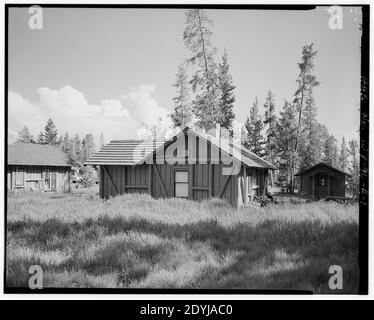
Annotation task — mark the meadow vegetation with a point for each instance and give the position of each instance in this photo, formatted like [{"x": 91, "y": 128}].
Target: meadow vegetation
[{"x": 134, "y": 241}]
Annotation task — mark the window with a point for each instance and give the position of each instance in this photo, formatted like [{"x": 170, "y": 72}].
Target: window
[
  {"x": 33, "y": 175},
  {"x": 19, "y": 179},
  {"x": 322, "y": 181},
  {"x": 49, "y": 180},
  {"x": 181, "y": 184},
  {"x": 53, "y": 180}
]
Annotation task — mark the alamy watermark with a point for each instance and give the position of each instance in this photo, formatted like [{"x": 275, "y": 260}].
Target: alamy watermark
[
  {"x": 336, "y": 280},
  {"x": 336, "y": 17},
  {"x": 36, "y": 19},
  {"x": 224, "y": 147},
  {"x": 36, "y": 280}
]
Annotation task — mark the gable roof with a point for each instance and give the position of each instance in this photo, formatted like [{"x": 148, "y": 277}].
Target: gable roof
[
  {"x": 121, "y": 152},
  {"x": 30, "y": 154},
  {"x": 246, "y": 157},
  {"x": 322, "y": 165}
]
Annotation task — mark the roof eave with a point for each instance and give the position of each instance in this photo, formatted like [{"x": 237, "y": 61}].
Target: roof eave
[{"x": 38, "y": 165}]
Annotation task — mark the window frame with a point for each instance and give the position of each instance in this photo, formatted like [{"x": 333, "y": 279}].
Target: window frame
[
  {"x": 48, "y": 186},
  {"x": 175, "y": 171},
  {"x": 19, "y": 171}
]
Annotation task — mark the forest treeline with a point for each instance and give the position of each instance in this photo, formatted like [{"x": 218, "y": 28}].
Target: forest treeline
[{"x": 76, "y": 148}]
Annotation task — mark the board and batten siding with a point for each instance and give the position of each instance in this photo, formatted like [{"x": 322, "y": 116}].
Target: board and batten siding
[
  {"x": 204, "y": 181},
  {"x": 334, "y": 183},
  {"x": 31, "y": 174}
]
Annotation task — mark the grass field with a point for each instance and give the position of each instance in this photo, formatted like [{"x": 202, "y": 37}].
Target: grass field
[{"x": 138, "y": 242}]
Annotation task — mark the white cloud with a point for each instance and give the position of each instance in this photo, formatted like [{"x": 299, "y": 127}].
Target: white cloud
[
  {"x": 72, "y": 113},
  {"x": 142, "y": 106}
]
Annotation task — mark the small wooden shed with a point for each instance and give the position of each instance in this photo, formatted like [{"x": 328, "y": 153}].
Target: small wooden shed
[
  {"x": 191, "y": 165},
  {"x": 322, "y": 181},
  {"x": 37, "y": 167}
]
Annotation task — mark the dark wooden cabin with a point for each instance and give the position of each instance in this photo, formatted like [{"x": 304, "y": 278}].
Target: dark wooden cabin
[
  {"x": 191, "y": 165},
  {"x": 37, "y": 167},
  {"x": 322, "y": 181}
]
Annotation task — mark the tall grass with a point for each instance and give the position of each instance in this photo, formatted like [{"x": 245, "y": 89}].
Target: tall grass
[{"x": 137, "y": 241}]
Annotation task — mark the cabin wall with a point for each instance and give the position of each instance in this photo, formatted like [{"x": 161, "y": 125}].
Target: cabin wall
[
  {"x": 205, "y": 164},
  {"x": 251, "y": 182},
  {"x": 32, "y": 178},
  {"x": 336, "y": 183},
  {"x": 116, "y": 180},
  {"x": 338, "y": 186},
  {"x": 204, "y": 181}
]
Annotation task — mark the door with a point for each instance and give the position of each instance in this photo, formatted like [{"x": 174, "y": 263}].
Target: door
[
  {"x": 320, "y": 185},
  {"x": 50, "y": 180},
  {"x": 181, "y": 184}
]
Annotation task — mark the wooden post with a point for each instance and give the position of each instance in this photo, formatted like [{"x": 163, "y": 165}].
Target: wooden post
[
  {"x": 328, "y": 184},
  {"x": 240, "y": 194},
  {"x": 313, "y": 185},
  {"x": 43, "y": 180},
  {"x": 13, "y": 177},
  {"x": 265, "y": 188},
  {"x": 190, "y": 181},
  {"x": 126, "y": 182},
  {"x": 250, "y": 184},
  {"x": 211, "y": 181},
  {"x": 245, "y": 186},
  {"x": 101, "y": 182},
  {"x": 150, "y": 180}
]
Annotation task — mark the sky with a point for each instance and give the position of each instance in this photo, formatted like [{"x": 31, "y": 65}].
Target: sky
[{"x": 101, "y": 70}]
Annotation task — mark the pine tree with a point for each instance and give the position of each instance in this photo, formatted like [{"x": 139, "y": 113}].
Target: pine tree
[
  {"x": 343, "y": 157},
  {"x": 88, "y": 147},
  {"x": 254, "y": 140},
  {"x": 286, "y": 135},
  {"x": 67, "y": 148},
  {"x": 330, "y": 152},
  {"x": 66, "y": 143},
  {"x": 41, "y": 139},
  {"x": 306, "y": 81},
  {"x": 24, "y": 136},
  {"x": 310, "y": 141},
  {"x": 226, "y": 94},
  {"x": 182, "y": 115},
  {"x": 76, "y": 153},
  {"x": 354, "y": 170},
  {"x": 59, "y": 140},
  {"x": 270, "y": 122},
  {"x": 197, "y": 38},
  {"x": 50, "y": 133}
]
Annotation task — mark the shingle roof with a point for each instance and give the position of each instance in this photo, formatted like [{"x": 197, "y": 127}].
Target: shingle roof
[
  {"x": 246, "y": 157},
  {"x": 36, "y": 155},
  {"x": 322, "y": 164},
  {"x": 121, "y": 152}
]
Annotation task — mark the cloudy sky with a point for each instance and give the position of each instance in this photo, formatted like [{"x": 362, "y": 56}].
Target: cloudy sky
[{"x": 108, "y": 70}]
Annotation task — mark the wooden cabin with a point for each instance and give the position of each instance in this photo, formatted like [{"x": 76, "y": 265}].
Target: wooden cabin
[
  {"x": 322, "y": 181},
  {"x": 191, "y": 165},
  {"x": 35, "y": 167}
]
